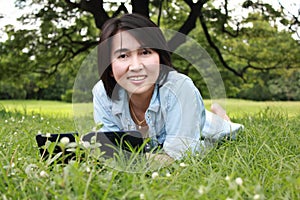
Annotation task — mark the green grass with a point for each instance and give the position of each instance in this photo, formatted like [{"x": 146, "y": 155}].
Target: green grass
[
  {"x": 50, "y": 108},
  {"x": 234, "y": 107},
  {"x": 240, "y": 108},
  {"x": 266, "y": 156}
]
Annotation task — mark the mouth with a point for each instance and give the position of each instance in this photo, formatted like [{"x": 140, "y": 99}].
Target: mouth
[{"x": 137, "y": 78}]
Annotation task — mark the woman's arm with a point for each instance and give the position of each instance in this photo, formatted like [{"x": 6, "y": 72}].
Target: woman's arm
[
  {"x": 184, "y": 117},
  {"x": 102, "y": 109}
]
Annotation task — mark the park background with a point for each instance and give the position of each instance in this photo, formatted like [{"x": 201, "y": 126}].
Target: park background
[{"x": 254, "y": 44}]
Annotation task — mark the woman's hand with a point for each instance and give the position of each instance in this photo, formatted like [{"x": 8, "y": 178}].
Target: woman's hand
[{"x": 162, "y": 158}]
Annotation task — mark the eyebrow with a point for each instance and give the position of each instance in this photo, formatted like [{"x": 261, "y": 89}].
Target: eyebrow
[{"x": 119, "y": 51}]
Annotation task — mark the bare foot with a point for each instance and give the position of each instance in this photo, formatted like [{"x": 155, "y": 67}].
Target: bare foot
[{"x": 218, "y": 110}]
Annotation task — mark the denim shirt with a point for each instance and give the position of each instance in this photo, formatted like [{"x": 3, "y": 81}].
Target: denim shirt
[{"x": 176, "y": 116}]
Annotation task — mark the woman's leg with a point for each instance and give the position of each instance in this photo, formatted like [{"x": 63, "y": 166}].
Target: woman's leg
[{"x": 218, "y": 110}]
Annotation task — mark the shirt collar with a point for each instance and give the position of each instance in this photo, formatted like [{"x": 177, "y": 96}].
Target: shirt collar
[
  {"x": 119, "y": 105},
  {"x": 154, "y": 102}
]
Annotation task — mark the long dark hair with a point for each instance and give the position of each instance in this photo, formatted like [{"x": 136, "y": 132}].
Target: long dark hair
[{"x": 146, "y": 32}]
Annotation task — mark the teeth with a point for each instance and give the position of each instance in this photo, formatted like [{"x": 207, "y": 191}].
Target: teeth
[{"x": 137, "y": 78}]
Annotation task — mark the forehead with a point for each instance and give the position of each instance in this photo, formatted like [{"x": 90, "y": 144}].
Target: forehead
[{"x": 124, "y": 40}]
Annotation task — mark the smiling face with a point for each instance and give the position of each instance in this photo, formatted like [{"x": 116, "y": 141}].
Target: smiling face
[{"x": 134, "y": 67}]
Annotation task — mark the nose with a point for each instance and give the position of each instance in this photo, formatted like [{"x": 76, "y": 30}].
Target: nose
[
  {"x": 137, "y": 67},
  {"x": 135, "y": 64}
]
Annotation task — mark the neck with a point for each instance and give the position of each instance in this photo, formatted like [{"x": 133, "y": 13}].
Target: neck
[{"x": 141, "y": 102}]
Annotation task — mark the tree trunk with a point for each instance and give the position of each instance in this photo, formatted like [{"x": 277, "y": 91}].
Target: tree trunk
[
  {"x": 187, "y": 27},
  {"x": 141, "y": 7}
]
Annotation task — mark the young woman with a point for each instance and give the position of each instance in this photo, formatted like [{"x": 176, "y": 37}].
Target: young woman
[{"x": 140, "y": 90}]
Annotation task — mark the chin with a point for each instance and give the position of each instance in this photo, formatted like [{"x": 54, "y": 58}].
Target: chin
[{"x": 140, "y": 90}]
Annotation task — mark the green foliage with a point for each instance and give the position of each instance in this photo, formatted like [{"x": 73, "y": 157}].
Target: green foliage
[
  {"x": 42, "y": 62},
  {"x": 47, "y": 59},
  {"x": 173, "y": 14},
  {"x": 273, "y": 85},
  {"x": 286, "y": 87},
  {"x": 263, "y": 163},
  {"x": 67, "y": 97},
  {"x": 11, "y": 91},
  {"x": 265, "y": 56}
]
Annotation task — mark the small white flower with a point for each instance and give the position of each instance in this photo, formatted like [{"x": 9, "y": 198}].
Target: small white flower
[
  {"x": 227, "y": 178},
  {"x": 48, "y": 134},
  {"x": 142, "y": 196},
  {"x": 88, "y": 169},
  {"x": 86, "y": 144},
  {"x": 42, "y": 118},
  {"x": 154, "y": 175},
  {"x": 182, "y": 164},
  {"x": 65, "y": 140},
  {"x": 168, "y": 174},
  {"x": 12, "y": 165},
  {"x": 6, "y": 121},
  {"x": 23, "y": 117},
  {"x": 201, "y": 190},
  {"x": 33, "y": 117},
  {"x": 30, "y": 168},
  {"x": 43, "y": 174},
  {"x": 239, "y": 181},
  {"x": 256, "y": 197},
  {"x": 47, "y": 122}
]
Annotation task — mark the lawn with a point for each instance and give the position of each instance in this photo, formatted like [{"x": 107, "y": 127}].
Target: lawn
[
  {"x": 49, "y": 108},
  {"x": 234, "y": 107},
  {"x": 263, "y": 163}
]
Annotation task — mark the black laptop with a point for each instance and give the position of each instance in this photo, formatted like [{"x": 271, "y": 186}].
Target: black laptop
[{"x": 109, "y": 143}]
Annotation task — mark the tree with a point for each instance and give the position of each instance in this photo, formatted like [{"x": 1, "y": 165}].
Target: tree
[{"x": 68, "y": 30}]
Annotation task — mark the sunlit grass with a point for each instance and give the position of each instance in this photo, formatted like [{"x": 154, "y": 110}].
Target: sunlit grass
[
  {"x": 263, "y": 163},
  {"x": 235, "y": 107},
  {"x": 50, "y": 108},
  {"x": 238, "y": 108}
]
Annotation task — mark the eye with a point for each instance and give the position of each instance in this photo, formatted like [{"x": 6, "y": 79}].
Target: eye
[
  {"x": 146, "y": 52},
  {"x": 122, "y": 56}
]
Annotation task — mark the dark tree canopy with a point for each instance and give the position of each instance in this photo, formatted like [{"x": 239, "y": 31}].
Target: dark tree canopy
[{"x": 67, "y": 30}]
